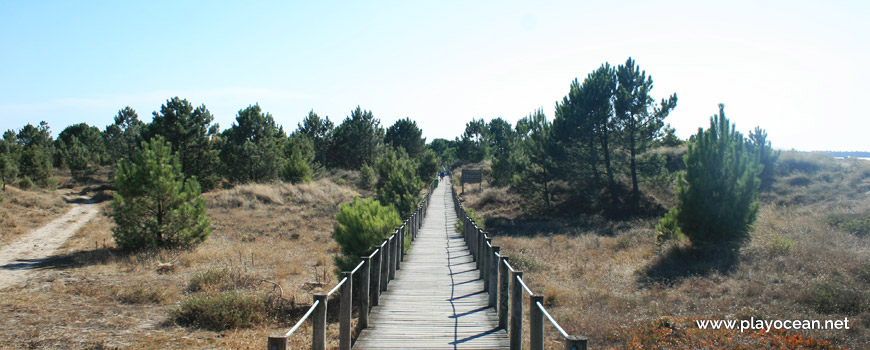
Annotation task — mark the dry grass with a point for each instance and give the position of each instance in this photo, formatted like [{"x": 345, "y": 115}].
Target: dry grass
[
  {"x": 22, "y": 211},
  {"x": 93, "y": 297},
  {"x": 609, "y": 281}
]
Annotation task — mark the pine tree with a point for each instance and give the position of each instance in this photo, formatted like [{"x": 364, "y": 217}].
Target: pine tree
[
  {"x": 124, "y": 136},
  {"x": 406, "y": 135},
  {"x": 36, "y": 153},
  {"x": 760, "y": 147},
  {"x": 398, "y": 184},
  {"x": 251, "y": 148},
  {"x": 360, "y": 225},
  {"x": 357, "y": 140},
  {"x": 190, "y": 132},
  {"x": 320, "y": 132},
  {"x": 718, "y": 193},
  {"x": 537, "y": 167},
  {"x": 155, "y": 206},
  {"x": 8, "y": 160},
  {"x": 638, "y": 119},
  {"x": 299, "y": 156}
]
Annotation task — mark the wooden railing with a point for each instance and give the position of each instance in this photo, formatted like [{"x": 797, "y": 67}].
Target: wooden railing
[
  {"x": 378, "y": 269},
  {"x": 505, "y": 287}
]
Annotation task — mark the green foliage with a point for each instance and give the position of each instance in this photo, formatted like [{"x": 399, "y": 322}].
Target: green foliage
[
  {"x": 406, "y": 135},
  {"x": 190, "y": 133},
  {"x": 832, "y": 297},
  {"x": 537, "y": 168},
  {"x": 123, "y": 136},
  {"x": 360, "y": 225},
  {"x": 367, "y": 178},
  {"x": 668, "y": 227},
  {"x": 299, "y": 152},
  {"x": 155, "y": 206},
  {"x": 472, "y": 147},
  {"x": 444, "y": 149},
  {"x": 477, "y": 220},
  {"x": 638, "y": 119},
  {"x": 758, "y": 145},
  {"x": 856, "y": 224},
  {"x": 428, "y": 164},
  {"x": 718, "y": 193},
  {"x": 78, "y": 159},
  {"x": 91, "y": 143},
  {"x": 251, "y": 148},
  {"x": 9, "y": 152},
  {"x": 357, "y": 140},
  {"x": 36, "y": 152},
  {"x": 319, "y": 131},
  {"x": 141, "y": 294},
  {"x": 222, "y": 311},
  {"x": 26, "y": 183},
  {"x": 398, "y": 184},
  {"x": 502, "y": 143}
]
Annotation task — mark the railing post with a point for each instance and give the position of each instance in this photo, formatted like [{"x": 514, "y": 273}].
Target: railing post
[
  {"x": 376, "y": 277},
  {"x": 536, "y": 322},
  {"x": 481, "y": 245},
  {"x": 385, "y": 265},
  {"x": 344, "y": 311},
  {"x": 493, "y": 277},
  {"x": 484, "y": 260},
  {"x": 393, "y": 245},
  {"x": 574, "y": 342},
  {"x": 516, "y": 328},
  {"x": 503, "y": 285},
  {"x": 318, "y": 327},
  {"x": 401, "y": 256},
  {"x": 277, "y": 342},
  {"x": 365, "y": 293}
]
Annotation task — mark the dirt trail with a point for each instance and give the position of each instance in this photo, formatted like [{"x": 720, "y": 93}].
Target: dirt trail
[{"x": 27, "y": 252}]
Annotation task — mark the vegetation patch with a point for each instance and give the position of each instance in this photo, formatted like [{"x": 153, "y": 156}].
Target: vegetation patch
[
  {"x": 854, "y": 223},
  {"x": 833, "y": 297},
  {"x": 141, "y": 294},
  {"x": 220, "y": 280},
  {"x": 227, "y": 310}
]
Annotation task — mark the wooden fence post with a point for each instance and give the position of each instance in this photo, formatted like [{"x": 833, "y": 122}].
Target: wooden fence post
[
  {"x": 484, "y": 262},
  {"x": 401, "y": 255},
  {"x": 393, "y": 245},
  {"x": 493, "y": 277},
  {"x": 365, "y": 293},
  {"x": 277, "y": 342},
  {"x": 536, "y": 322},
  {"x": 503, "y": 285},
  {"x": 318, "y": 327},
  {"x": 385, "y": 265},
  {"x": 376, "y": 278},
  {"x": 516, "y": 328},
  {"x": 481, "y": 250},
  {"x": 344, "y": 311},
  {"x": 573, "y": 342}
]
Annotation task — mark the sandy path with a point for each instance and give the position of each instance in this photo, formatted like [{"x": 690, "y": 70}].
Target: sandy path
[{"x": 26, "y": 253}]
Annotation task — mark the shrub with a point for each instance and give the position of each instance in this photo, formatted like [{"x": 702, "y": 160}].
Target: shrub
[
  {"x": 141, "y": 294},
  {"x": 360, "y": 225},
  {"x": 220, "y": 280},
  {"x": 834, "y": 297},
  {"x": 222, "y": 311},
  {"x": 398, "y": 184},
  {"x": 668, "y": 228},
  {"x": 857, "y": 224},
  {"x": 25, "y": 183},
  {"x": 366, "y": 177},
  {"x": 155, "y": 206},
  {"x": 718, "y": 195},
  {"x": 296, "y": 170},
  {"x": 477, "y": 220}
]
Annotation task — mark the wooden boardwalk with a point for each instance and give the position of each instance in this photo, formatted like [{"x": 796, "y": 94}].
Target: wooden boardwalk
[{"x": 437, "y": 300}]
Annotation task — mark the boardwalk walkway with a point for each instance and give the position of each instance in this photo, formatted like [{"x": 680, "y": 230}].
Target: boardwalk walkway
[{"x": 437, "y": 300}]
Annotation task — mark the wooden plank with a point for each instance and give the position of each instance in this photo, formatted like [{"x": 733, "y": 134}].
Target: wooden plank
[{"x": 437, "y": 300}]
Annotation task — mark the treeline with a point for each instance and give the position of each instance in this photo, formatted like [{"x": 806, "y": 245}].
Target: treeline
[
  {"x": 593, "y": 156},
  {"x": 254, "y": 149},
  {"x": 592, "y": 146}
]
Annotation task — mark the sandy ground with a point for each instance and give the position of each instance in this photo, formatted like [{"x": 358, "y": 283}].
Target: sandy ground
[{"x": 29, "y": 251}]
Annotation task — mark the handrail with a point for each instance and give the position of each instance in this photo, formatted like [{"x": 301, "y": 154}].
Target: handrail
[
  {"x": 552, "y": 321},
  {"x": 523, "y": 284},
  {"x": 505, "y": 285},
  {"x": 304, "y": 317},
  {"x": 379, "y": 268},
  {"x": 335, "y": 289}
]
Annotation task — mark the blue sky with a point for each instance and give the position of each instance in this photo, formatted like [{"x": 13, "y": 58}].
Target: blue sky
[{"x": 796, "y": 68}]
